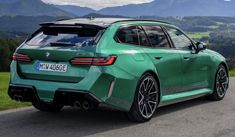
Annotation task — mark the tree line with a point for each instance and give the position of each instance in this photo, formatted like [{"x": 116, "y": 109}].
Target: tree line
[
  {"x": 7, "y": 48},
  {"x": 222, "y": 42}
]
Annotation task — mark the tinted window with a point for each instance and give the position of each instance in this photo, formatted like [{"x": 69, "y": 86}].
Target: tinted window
[
  {"x": 179, "y": 39},
  {"x": 64, "y": 37},
  {"x": 156, "y": 36},
  {"x": 132, "y": 35}
]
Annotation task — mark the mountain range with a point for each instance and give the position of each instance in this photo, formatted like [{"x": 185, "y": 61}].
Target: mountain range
[
  {"x": 154, "y": 8},
  {"x": 75, "y": 10},
  {"x": 175, "y": 8},
  {"x": 29, "y": 8}
]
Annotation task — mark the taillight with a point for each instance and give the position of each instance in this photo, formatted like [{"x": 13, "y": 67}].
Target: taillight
[
  {"x": 21, "y": 57},
  {"x": 97, "y": 61}
]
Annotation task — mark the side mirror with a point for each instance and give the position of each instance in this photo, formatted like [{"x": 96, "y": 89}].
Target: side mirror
[{"x": 200, "y": 46}]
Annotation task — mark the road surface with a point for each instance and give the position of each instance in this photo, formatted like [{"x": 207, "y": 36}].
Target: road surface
[{"x": 196, "y": 118}]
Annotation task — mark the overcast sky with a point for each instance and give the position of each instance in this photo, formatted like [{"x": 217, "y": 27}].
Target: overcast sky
[{"x": 96, "y": 4}]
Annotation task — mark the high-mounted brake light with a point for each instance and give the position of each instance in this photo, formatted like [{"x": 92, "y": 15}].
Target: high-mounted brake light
[
  {"x": 21, "y": 57},
  {"x": 97, "y": 61}
]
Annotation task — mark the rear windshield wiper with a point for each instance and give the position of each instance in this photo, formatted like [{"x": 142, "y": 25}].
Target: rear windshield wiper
[{"x": 61, "y": 44}]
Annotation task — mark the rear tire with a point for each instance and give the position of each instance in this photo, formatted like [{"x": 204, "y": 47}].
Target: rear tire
[
  {"x": 221, "y": 84},
  {"x": 47, "y": 107},
  {"x": 146, "y": 99}
]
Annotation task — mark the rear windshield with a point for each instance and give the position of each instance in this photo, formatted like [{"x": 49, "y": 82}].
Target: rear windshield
[{"x": 65, "y": 37}]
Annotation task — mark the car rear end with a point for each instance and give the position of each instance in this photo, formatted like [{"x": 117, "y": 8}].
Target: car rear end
[{"x": 60, "y": 63}]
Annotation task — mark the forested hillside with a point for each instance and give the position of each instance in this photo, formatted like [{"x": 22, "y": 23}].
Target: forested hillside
[
  {"x": 7, "y": 47},
  {"x": 29, "y": 8}
]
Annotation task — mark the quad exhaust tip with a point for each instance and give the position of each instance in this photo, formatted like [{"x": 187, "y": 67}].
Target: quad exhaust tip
[
  {"x": 77, "y": 104},
  {"x": 18, "y": 98},
  {"x": 85, "y": 105}
]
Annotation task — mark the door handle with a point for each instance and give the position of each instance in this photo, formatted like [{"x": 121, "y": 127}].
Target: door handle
[
  {"x": 158, "y": 58},
  {"x": 187, "y": 58}
]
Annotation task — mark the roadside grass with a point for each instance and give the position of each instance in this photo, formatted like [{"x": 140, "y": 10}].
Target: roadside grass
[
  {"x": 232, "y": 73},
  {"x": 198, "y": 35},
  {"x": 5, "y": 101}
]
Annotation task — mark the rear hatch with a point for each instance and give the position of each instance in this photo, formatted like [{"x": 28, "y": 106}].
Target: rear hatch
[{"x": 49, "y": 51}]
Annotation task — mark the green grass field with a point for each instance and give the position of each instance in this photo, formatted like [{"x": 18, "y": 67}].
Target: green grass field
[
  {"x": 213, "y": 27},
  {"x": 198, "y": 35},
  {"x": 5, "y": 101}
]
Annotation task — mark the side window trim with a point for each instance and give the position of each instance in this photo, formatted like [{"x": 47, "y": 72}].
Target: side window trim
[
  {"x": 146, "y": 36},
  {"x": 168, "y": 37},
  {"x": 173, "y": 45}
]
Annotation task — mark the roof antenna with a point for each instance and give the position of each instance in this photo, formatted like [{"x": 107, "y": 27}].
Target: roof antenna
[{"x": 91, "y": 18}]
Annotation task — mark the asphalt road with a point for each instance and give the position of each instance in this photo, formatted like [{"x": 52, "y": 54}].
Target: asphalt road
[{"x": 195, "y": 118}]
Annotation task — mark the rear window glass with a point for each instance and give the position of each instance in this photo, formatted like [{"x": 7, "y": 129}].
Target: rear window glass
[
  {"x": 132, "y": 35},
  {"x": 65, "y": 37},
  {"x": 128, "y": 35}
]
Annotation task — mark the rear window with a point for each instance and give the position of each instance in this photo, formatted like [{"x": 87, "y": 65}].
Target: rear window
[{"x": 65, "y": 37}]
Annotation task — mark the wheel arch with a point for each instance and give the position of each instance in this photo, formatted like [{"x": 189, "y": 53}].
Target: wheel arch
[
  {"x": 226, "y": 66},
  {"x": 158, "y": 81},
  {"x": 227, "y": 69}
]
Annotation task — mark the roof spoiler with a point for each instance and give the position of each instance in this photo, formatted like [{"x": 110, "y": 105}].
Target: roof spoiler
[{"x": 76, "y": 25}]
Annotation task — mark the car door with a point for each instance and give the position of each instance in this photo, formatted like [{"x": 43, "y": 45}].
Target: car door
[
  {"x": 166, "y": 60},
  {"x": 195, "y": 66}
]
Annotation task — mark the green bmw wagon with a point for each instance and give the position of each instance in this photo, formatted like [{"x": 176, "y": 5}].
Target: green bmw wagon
[{"x": 135, "y": 66}]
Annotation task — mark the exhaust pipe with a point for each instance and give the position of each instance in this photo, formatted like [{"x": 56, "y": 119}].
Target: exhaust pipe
[
  {"x": 20, "y": 98},
  {"x": 77, "y": 104},
  {"x": 16, "y": 98},
  {"x": 85, "y": 105}
]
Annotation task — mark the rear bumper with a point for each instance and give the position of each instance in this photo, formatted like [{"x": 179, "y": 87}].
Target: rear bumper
[
  {"x": 26, "y": 93},
  {"x": 112, "y": 86},
  {"x": 22, "y": 93}
]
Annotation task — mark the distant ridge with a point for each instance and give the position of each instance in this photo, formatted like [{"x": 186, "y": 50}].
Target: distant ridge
[
  {"x": 75, "y": 10},
  {"x": 161, "y": 8},
  {"x": 29, "y": 8},
  {"x": 175, "y": 8}
]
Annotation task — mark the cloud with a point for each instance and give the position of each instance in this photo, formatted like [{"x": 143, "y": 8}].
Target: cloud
[{"x": 96, "y": 4}]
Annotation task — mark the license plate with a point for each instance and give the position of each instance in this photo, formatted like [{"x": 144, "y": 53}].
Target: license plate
[{"x": 53, "y": 67}]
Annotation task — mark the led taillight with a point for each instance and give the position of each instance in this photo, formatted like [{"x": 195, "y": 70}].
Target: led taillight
[
  {"x": 97, "y": 61},
  {"x": 21, "y": 57}
]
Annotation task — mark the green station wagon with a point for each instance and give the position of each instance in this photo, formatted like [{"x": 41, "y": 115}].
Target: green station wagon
[{"x": 131, "y": 65}]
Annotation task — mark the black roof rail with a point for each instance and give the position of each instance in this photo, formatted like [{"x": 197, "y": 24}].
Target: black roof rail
[
  {"x": 160, "y": 21},
  {"x": 54, "y": 23}
]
